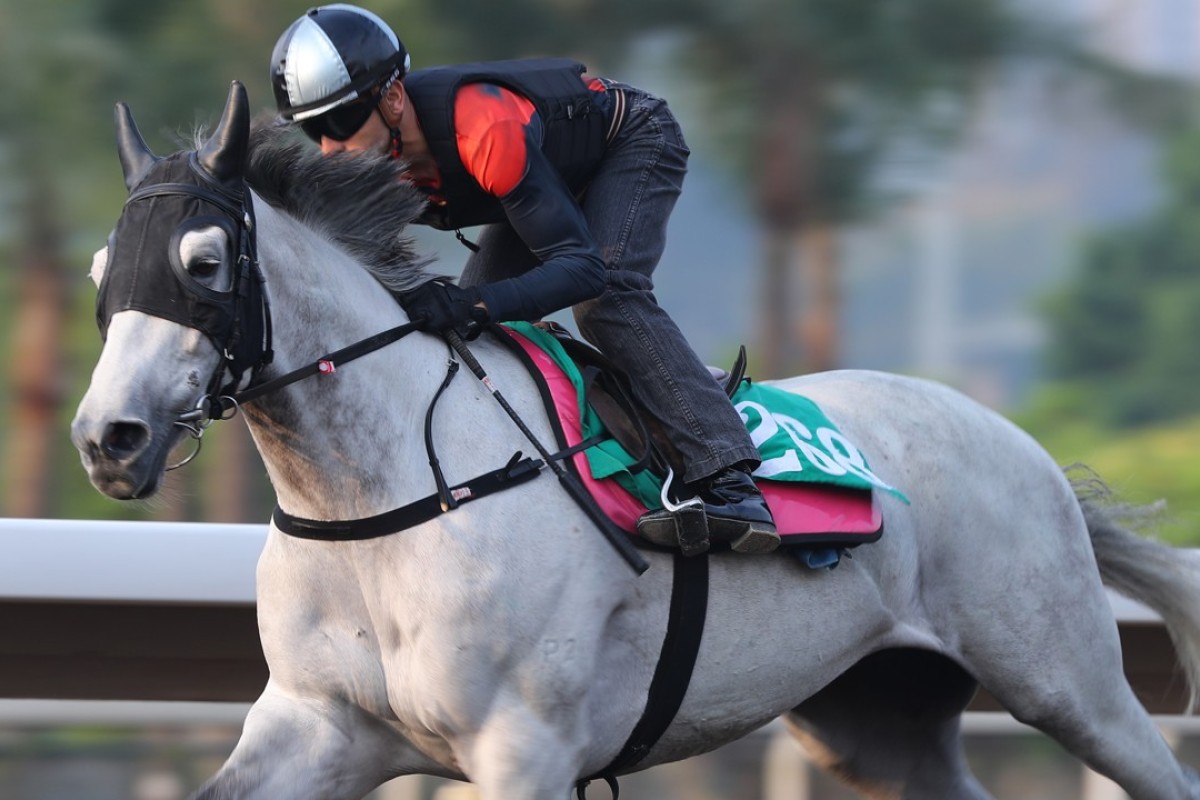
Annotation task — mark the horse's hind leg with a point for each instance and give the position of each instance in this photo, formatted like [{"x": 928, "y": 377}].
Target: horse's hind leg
[
  {"x": 889, "y": 727},
  {"x": 1069, "y": 681},
  {"x": 1083, "y": 699},
  {"x": 292, "y": 749}
]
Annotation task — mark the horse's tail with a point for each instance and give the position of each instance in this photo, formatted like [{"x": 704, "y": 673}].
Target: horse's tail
[{"x": 1164, "y": 578}]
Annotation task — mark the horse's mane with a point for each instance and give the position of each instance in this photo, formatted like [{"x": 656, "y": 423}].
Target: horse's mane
[{"x": 358, "y": 200}]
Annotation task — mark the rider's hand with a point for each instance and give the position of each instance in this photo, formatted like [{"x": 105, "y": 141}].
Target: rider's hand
[{"x": 439, "y": 306}]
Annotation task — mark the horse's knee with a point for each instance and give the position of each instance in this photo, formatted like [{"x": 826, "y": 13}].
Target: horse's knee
[
  {"x": 293, "y": 749},
  {"x": 522, "y": 757}
]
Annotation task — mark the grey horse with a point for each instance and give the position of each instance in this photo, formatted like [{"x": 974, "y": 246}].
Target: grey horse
[{"x": 503, "y": 642}]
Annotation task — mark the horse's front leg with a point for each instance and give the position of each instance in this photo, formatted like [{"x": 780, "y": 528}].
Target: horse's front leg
[
  {"x": 519, "y": 755},
  {"x": 305, "y": 749},
  {"x": 531, "y": 729}
]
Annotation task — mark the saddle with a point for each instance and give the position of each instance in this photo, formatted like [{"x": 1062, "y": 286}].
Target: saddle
[
  {"x": 622, "y": 455},
  {"x": 606, "y": 390}
]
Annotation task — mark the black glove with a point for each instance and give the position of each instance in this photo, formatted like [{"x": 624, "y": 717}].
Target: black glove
[{"x": 438, "y": 306}]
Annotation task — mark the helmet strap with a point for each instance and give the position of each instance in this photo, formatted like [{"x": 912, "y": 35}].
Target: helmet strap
[{"x": 397, "y": 146}]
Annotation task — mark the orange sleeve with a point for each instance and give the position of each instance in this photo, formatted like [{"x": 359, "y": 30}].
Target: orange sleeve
[{"x": 491, "y": 124}]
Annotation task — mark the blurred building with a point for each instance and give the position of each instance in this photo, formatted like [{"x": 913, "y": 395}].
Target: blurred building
[{"x": 958, "y": 271}]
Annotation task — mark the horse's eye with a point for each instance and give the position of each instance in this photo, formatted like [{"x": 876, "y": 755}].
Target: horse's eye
[
  {"x": 203, "y": 254},
  {"x": 202, "y": 268}
]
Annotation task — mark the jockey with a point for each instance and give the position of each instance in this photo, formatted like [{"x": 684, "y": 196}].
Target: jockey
[{"x": 574, "y": 178}]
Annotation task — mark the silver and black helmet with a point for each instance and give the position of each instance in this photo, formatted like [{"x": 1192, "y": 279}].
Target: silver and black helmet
[{"x": 331, "y": 57}]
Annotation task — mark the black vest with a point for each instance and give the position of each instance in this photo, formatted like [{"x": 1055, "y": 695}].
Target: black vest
[{"x": 575, "y": 127}]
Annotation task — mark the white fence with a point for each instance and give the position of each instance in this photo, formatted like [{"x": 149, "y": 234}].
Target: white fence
[{"x": 129, "y": 611}]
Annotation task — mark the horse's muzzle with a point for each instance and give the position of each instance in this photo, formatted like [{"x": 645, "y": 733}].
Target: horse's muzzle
[{"x": 117, "y": 457}]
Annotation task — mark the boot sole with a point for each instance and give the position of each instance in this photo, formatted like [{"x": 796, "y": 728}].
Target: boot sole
[
  {"x": 744, "y": 537},
  {"x": 686, "y": 530}
]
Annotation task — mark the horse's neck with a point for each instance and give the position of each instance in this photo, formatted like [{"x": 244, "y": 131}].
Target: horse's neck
[{"x": 342, "y": 445}]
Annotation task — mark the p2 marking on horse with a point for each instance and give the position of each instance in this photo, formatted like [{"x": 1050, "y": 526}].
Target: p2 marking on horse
[{"x": 505, "y": 642}]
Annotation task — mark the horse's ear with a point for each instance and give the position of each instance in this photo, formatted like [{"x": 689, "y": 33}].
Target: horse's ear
[
  {"x": 224, "y": 154},
  {"x": 136, "y": 158}
]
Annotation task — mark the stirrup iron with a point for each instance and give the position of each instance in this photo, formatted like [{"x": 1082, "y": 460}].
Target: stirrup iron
[{"x": 678, "y": 524}]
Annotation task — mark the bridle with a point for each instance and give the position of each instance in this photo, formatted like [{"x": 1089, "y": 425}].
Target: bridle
[
  {"x": 244, "y": 356},
  {"x": 238, "y": 322},
  {"x": 245, "y": 343}
]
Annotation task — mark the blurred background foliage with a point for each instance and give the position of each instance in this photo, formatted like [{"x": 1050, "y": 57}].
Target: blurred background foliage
[{"x": 821, "y": 116}]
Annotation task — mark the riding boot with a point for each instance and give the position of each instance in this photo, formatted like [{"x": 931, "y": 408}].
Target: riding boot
[
  {"x": 727, "y": 507},
  {"x": 737, "y": 512}
]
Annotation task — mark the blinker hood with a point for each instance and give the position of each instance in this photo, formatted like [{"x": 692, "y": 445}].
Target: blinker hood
[{"x": 144, "y": 272}]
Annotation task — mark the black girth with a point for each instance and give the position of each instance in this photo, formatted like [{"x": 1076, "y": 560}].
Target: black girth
[
  {"x": 685, "y": 623},
  {"x": 672, "y": 675}
]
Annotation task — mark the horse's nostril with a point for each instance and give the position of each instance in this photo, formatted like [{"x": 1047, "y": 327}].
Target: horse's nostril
[{"x": 123, "y": 439}]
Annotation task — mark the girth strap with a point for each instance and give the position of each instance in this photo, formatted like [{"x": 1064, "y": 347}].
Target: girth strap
[
  {"x": 672, "y": 675},
  {"x": 517, "y": 471}
]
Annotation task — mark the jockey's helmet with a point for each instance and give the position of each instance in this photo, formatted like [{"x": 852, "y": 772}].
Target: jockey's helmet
[{"x": 331, "y": 57}]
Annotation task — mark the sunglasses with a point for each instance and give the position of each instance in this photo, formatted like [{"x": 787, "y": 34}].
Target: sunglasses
[{"x": 341, "y": 122}]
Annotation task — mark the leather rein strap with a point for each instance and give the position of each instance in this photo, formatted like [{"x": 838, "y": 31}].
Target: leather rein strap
[
  {"x": 517, "y": 471},
  {"x": 324, "y": 365}
]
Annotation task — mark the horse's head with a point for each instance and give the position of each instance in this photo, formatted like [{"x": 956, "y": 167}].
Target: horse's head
[{"x": 180, "y": 305}]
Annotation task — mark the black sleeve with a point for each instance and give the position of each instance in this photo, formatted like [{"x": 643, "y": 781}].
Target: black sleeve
[{"x": 546, "y": 216}]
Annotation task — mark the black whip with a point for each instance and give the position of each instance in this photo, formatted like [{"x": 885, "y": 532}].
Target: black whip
[{"x": 615, "y": 536}]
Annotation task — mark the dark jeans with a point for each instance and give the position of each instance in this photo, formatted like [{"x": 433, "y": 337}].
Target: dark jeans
[{"x": 627, "y": 206}]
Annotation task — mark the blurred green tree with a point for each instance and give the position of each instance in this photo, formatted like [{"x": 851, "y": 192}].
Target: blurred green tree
[
  {"x": 43, "y": 108},
  {"x": 64, "y": 64},
  {"x": 812, "y": 97},
  {"x": 820, "y": 99},
  {"x": 1125, "y": 326}
]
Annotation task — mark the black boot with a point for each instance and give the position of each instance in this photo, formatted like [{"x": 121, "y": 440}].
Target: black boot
[
  {"x": 737, "y": 512},
  {"x": 726, "y": 507}
]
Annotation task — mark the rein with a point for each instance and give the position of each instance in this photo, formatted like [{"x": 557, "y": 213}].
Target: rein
[
  {"x": 446, "y": 498},
  {"x": 210, "y": 409}
]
